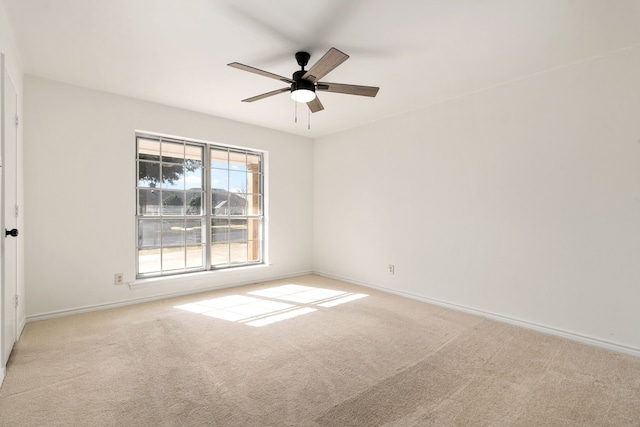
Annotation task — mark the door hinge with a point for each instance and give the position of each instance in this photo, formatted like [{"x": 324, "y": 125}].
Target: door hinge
[
  {"x": 17, "y": 120},
  {"x": 17, "y": 300},
  {"x": 17, "y": 211}
]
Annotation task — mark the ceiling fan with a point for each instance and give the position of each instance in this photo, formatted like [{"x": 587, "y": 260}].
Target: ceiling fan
[{"x": 305, "y": 83}]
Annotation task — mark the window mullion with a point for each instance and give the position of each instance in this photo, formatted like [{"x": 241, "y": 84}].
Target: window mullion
[{"x": 207, "y": 205}]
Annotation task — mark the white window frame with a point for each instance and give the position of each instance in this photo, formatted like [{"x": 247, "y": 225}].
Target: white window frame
[{"x": 248, "y": 203}]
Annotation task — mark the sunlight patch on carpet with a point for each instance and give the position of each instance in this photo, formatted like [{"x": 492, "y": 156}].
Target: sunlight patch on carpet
[
  {"x": 298, "y": 293},
  {"x": 282, "y": 316},
  {"x": 269, "y": 308}
]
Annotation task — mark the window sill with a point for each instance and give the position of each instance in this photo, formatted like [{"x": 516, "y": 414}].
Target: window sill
[{"x": 199, "y": 276}]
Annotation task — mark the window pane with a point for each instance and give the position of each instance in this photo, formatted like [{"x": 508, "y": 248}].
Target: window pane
[
  {"x": 172, "y": 152},
  {"x": 219, "y": 202},
  {"x": 148, "y": 149},
  {"x": 193, "y": 152},
  {"x": 194, "y": 203},
  {"x": 173, "y": 176},
  {"x": 193, "y": 175},
  {"x": 253, "y": 229},
  {"x": 253, "y": 204},
  {"x": 254, "y": 245},
  {"x": 172, "y": 232},
  {"x": 173, "y": 258},
  {"x": 193, "y": 231},
  {"x": 219, "y": 230},
  {"x": 193, "y": 167},
  {"x": 173, "y": 203},
  {"x": 238, "y": 252},
  {"x": 148, "y": 261},
  {"x": 238, "y": 161},
  {"x": 148, "y": 202},
  {"x": 148, "y": 174},
  {"x": 238, "y": 230},
  {"x": 237, "y": 182},
  {"x": 219, "y": 179},
  {"x": 253, "y": 182},
  {"x": 220, "y": 159},
  {"x": 195, "y": 256},
  {"x": 149, "y": 232},
  {"x": 219, "y": 254},
  {"x": 237, "y": 204},
  {"x": 253, "y": 163},
  {"x": 253, "y": 251}
]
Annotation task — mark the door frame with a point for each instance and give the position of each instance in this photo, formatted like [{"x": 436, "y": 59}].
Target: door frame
[
  {"x": 4, "y": 319},
  {"x": 2, "y": 303}
]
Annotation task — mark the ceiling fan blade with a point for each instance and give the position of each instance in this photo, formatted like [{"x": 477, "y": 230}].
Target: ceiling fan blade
[
  {"x": 348, "y": 89},
  {"x": 260, "y": 72},
  {"x": 315, "y": 105},
  {"x": 325, "y": 65},
  {"x": 266, "y": 95}
]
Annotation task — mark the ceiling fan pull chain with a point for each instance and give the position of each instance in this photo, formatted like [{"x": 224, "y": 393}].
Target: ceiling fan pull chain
[
  {"x": 296, "y": 112},
  {"x": 308, "y": 119}
]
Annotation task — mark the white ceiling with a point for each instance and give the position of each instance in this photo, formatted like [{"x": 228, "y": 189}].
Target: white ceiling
[{"x": 419, "y": 52}]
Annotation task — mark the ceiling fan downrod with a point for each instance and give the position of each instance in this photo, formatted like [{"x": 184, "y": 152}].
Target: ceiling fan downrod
[{"x": 303, "y": 59}]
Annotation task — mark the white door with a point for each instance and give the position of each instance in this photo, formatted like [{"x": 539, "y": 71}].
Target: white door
[{"x": 9, "y": 215}]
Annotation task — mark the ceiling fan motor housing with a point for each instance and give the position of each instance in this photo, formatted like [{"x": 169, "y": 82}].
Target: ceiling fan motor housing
[{"x": 300, "y": 83}]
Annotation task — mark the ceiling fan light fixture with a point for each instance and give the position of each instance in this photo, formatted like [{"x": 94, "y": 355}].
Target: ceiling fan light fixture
[{"x": 303, "y": 95}]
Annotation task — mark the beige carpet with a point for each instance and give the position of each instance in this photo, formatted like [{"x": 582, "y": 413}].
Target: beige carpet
[{"x": 346, "y": 360}]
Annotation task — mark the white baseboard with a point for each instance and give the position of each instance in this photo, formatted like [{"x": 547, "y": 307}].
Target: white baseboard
[
  {"x": 506, "y": 319},
  {"x": 494, "y": 316},
  {"x": 21, "y": 326},
  {"x": 106, "y": 306}
]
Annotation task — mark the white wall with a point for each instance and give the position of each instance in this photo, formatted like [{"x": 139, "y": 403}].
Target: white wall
[
  {"x": 80, "y": 198},
  {"x": 521, "y": 200}
]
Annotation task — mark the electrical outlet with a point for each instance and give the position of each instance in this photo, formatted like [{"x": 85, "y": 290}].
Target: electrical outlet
[
  {"x": 119, "y": 279},
  {"x": 391, "y": 269}
]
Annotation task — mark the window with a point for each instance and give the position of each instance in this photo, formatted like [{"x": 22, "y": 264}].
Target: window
[{"x": 199, "y": 206}]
